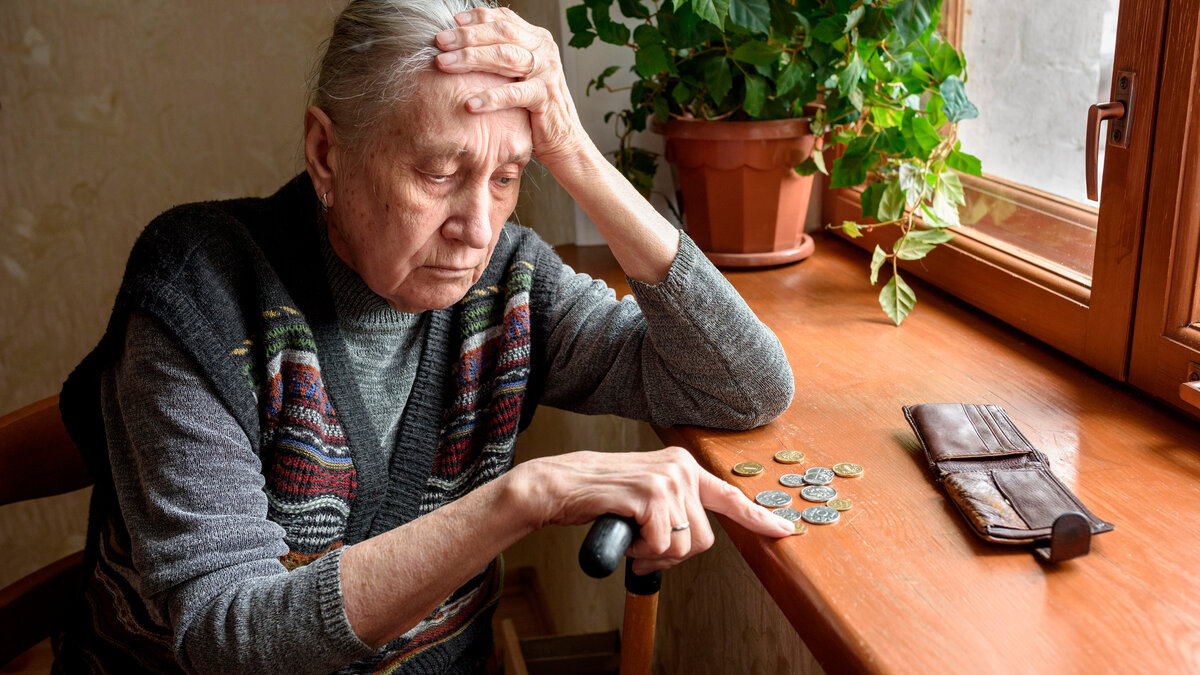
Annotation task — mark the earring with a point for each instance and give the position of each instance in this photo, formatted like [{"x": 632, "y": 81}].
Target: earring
[{"x": 324, "y": 201}]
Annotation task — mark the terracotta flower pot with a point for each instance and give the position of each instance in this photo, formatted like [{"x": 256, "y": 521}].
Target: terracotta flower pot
[{"x": 743, "y": 204}]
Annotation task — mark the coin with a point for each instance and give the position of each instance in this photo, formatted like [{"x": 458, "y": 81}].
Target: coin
[
  {"x": 787, "y": 514},
  {"x": 847, "y": 469},
  {"x": 818, "y": 493},
  {"x": 789, "y": 457},
  {"x": 792, "y": 480},
  {"x": 820, "y": 515},
  {"x": 773, "y": 498},
  {"x": 818, "y": 475},
  {"x": 747, "y": 468},
  {"x": 840, "y": 504},
  {"x": 801, "y": 527}
]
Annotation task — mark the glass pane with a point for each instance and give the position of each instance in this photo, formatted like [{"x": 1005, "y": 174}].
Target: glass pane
[{"x": 1033, "y": 68}]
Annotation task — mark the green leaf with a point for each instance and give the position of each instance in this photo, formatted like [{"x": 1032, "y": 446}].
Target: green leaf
[
  {"x": 897, "y": 299},
  {"x": 891, "y": 203},
  {"x": 645, "y": 34},
  {"x": 796, "y": 72},
  {"x": 806, "y": 168},
  {"x": 612, "y": 32},
  {"x": 662, "y": 109},
  {"x": 712, "y": 11},
  {"x": 602, "y": 77},
  {"x": 582, "y": 40},
  {"x": 942, "y": 213},
  {"x": 877, "y": 260},
  {"x": 718, "y": 78},
  {"x": 681, "y": 93},
  {"x": 830, "y": 28},
  {"x": 870, "y": 198},
  {"x": 957, "y": 106},
  {"x": 756, "y": 95},
  {"x": 651, "y": 60},
  {"x": 577, "y": 19},
  {"x": 932, "y": 236},
  {"x": 949, "y": 183},
  {"x": 757, "y": 52},
  {"x": 818, "y": 158},
  {"x": 848, "y": 171},
  {"x": 946, "y": 61},
  {"x": 910, "y": 248},
  {"x": 925, "y": 134},
  {"x": 912, "y": 17},
  {"x": 910, "y": 181},
  {"x": 633, "y": 9},
  {"x": 752, "y": 14},
  {"x": 851, "y": 229},
  {"x": 850, "y": 75},
  {"x": 964, "y": 163}
]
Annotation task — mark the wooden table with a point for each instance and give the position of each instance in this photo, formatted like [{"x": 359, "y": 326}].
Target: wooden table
[{"x": 901, "y": 584}]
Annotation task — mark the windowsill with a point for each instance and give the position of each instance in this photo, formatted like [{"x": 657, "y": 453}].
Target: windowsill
[{"x": 901, "y": 584}]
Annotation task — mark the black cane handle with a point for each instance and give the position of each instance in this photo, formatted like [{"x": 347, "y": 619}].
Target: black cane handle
[{"x": 605, "y": 544}]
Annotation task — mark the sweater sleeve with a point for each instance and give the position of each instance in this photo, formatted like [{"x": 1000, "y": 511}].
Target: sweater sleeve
[
  {"x": 206, "y": 557},
  {"x": 688, "y": 350}
]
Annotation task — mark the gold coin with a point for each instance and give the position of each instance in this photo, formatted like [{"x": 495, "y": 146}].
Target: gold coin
[
  {"x": 801, "y": 527},
  {"x": 847, "y": 469},
  {"x": 747, "y": 468},
  {"x": 840, "y": 504},
  {"x": 789, "y": 457}
]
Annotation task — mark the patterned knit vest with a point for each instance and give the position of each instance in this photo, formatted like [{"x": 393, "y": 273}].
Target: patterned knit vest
[{"x": 241, "y": 285}]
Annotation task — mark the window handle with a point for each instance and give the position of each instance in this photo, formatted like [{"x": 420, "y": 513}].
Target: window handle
[
  {"x": 1097, "y": 114},
  {"x": 1118, "y": 113}
]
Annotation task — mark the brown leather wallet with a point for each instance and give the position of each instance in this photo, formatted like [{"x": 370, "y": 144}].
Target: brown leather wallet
[{"x": 1000, "y": 483}]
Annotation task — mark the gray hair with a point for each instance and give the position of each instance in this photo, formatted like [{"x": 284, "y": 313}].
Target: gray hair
[{"x": 373, "y": 57}]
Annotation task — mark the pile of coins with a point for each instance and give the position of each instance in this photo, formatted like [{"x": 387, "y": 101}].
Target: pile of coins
[{"x": 814, "y": 487}]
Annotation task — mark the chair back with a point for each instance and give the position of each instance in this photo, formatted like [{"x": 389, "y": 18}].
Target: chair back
[{"x": 38, "y": 459}]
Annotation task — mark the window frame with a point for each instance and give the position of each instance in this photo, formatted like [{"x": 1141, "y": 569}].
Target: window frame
[{"x": 1093, "y": 324}]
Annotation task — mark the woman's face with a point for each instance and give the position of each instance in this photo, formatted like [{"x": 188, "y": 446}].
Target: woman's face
[{"x": 418, "y": 213}]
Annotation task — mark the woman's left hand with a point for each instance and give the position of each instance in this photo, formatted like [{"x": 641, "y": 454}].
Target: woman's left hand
[{"x": 501, "y": 42}]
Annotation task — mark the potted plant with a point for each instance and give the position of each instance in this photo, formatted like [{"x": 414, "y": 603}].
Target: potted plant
[{"x": 872, "y": 76}]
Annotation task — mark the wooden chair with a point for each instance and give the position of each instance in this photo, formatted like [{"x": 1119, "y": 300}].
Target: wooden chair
[{"x": 37, "y": 459}]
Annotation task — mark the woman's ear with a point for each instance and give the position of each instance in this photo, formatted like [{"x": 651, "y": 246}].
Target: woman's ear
[{"x": 320, "y": 153}]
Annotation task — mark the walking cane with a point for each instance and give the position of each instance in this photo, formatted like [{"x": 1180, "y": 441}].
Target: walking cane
[{"x": 599, "y": 555}]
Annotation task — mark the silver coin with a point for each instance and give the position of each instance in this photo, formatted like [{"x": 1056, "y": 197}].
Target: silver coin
[
  {"x": 787, "y": 514},
  {"x": 818, "y": 475},
  {"x": 820, "y": 515},
  {"x": 773, "y": 498},
  {"x": 792, "y": 480},
  {"x": 818, "y": 493}
]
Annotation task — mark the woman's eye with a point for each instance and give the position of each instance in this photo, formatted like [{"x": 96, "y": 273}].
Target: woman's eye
[
  {"x": 439, "y": 178},
  {"x": 505, "y": 181}
]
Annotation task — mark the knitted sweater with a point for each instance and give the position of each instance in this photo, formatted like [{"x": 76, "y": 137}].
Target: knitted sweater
[{"x": 239, "y": 286}]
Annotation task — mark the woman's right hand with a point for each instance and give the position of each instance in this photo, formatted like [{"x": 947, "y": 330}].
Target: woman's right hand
[{"x": 660, "y": 490}]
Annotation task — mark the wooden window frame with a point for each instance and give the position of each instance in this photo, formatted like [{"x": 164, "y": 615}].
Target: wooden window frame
[
  {"x": 1166, "y": 346},
  {"x": 1091, "y": 323}
]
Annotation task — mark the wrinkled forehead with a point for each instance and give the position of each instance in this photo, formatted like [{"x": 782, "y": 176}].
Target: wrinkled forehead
[{"x": 437, "y": 117}]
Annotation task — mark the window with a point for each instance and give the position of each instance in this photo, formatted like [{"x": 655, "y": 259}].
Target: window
[{"x": 1036, "y": 253}]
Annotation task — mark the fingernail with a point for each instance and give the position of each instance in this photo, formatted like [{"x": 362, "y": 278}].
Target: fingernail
[
  {"x": 474, "y": 103},
  {"x": 463, "y": 18},
  {"x": 447, "y": 58},
  {"x": 447, "y": 38}
]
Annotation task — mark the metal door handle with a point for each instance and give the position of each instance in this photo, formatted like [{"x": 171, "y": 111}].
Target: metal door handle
[{"x": 1118, "y": 113}]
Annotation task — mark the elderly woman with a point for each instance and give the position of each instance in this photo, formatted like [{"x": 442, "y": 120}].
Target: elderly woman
[{"x": 301, "y": 418}]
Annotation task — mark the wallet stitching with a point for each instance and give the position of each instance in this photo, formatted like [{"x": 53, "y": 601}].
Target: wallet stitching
[
  {"x": 985, "y": 413},
  {"x": 1008, "y": 428},
  {"x": 975, "y": 426},
  {"x": 1049, "y": 477}
]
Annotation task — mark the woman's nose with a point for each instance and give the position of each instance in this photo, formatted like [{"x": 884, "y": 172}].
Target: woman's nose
[{"x": 471, "y": 222}]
